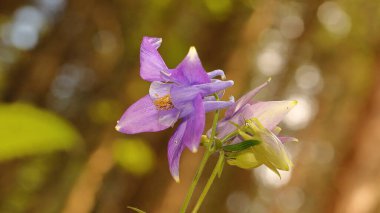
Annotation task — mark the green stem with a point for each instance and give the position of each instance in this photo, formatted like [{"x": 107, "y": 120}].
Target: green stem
[
  {"x": 214, "y": 124},
  {"x": 209, "y": 182},
  {"x": 195, "y": 181},
  {"x": 209, "y": 151}
]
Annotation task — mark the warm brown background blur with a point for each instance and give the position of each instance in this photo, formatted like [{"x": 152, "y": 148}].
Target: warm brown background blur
[{"x": 77, "y": 63}]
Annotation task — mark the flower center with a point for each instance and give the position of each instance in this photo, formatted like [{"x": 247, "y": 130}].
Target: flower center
[{"x": 163, "y": 103}]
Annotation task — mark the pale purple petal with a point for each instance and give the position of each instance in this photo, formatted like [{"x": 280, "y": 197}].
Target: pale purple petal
[
  {"x": 195, "y": 125},
  {"x": 223, "y": 129},
  {"x": 151, "y": 63},
  {"x": 142, "y": 116},
  {"x": 246, "y": 99},
  {"x": 190, "y": 71},
  {"x": 158, "y": 89},
  {"x": 214, "y": 105},
  {"x": 182, "y": 96},
  {"x": 269, "y": 113},
  {"x": 287, "y": 139},
  {"x": 175, "y": 148},
  {"x": 168, "y": 117},
  {"x": 215, "y": 86}
]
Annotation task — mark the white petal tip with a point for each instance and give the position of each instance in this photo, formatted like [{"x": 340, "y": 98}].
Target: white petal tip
[
  {"x": 269, "y": 79},
  {"x": 117, "y": 127},
  {"x": 192, "y": 53},
  {"x": 194, "y": 150},
  {"x": 176, "y": 178},
  {"x": 294, "y": 103}
]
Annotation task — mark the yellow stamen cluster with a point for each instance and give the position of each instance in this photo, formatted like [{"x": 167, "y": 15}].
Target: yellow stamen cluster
[{"x": 163, "y": 103}]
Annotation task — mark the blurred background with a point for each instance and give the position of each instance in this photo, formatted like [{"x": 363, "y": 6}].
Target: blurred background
[{"x": 69, "y": 68}]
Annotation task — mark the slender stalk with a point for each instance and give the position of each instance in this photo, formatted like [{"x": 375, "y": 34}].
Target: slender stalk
[
  {"x": 209, "y": 182},
  {"x": 209, "y": 151},
  {"x": 195, "y": 181},
  {"x": 214, "y": 124}
]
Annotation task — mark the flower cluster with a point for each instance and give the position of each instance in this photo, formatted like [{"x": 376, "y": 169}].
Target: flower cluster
[{"x": 186, "y": 93}]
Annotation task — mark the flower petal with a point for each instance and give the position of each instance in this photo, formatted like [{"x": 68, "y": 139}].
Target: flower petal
[
  {"x": 215, "y": 73},
  {"x": 182, "y": 98},
  {"x": 195, "y": 125},
  {"x": 269, "y": 113},
  {"x": 214, "y": 105},
  {"x": 158, "y": 89},
  {"x": 182, "y": 95},
  {"x": 190, "y": 71},
  {"x": 246, "y": 99},
  {"x": 175, "y": 148},
  {"x": 168, "y": 117},
  {"x": 151, "y": 62},
  {"x": 142, "y": 116},
  {"x": 287, "y": 139},
  {"x": 211, "y": 88}
]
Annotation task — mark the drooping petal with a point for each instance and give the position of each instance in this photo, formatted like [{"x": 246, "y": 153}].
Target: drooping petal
[
  {"x": 190, "y": 71},
  {"x": 195, "y": 125},
  {"x": 269, "y": 113},
  {"x": 142, "y": 116},
  {"x": 246, "y": 99},
  {"x": 151, "y": 62},
  {"x": 175, "y": 148}
]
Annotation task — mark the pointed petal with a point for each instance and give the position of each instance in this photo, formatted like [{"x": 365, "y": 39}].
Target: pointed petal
[
  {"x": 269, "y": 113},
  {"x": 151, "y": 62},
  {"x": 246, "y": 99},
  {"x": 175, "y": 148},
  {"x": 142, "y": 116},
  {"x": 190, "y": 71},
  {"x": 195, "y": 125}
]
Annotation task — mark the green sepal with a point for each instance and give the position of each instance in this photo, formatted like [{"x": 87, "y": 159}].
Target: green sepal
[{"x": 241, "y": 146}]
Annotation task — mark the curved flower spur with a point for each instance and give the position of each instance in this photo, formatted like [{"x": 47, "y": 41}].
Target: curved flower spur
[{"x": 185, "y": 92}]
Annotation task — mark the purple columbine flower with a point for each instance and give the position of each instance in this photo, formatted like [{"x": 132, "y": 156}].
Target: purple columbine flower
[
  {"x": 185, "y": 92},
  {"x": 259, "y": 120}
]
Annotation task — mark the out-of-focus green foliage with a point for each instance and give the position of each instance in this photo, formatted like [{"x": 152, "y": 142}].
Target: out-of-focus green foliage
[
  {"x": 27, "y": 130},
  {"x": 133, "y": 155},
  {"x": 219, "y": 7}
]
